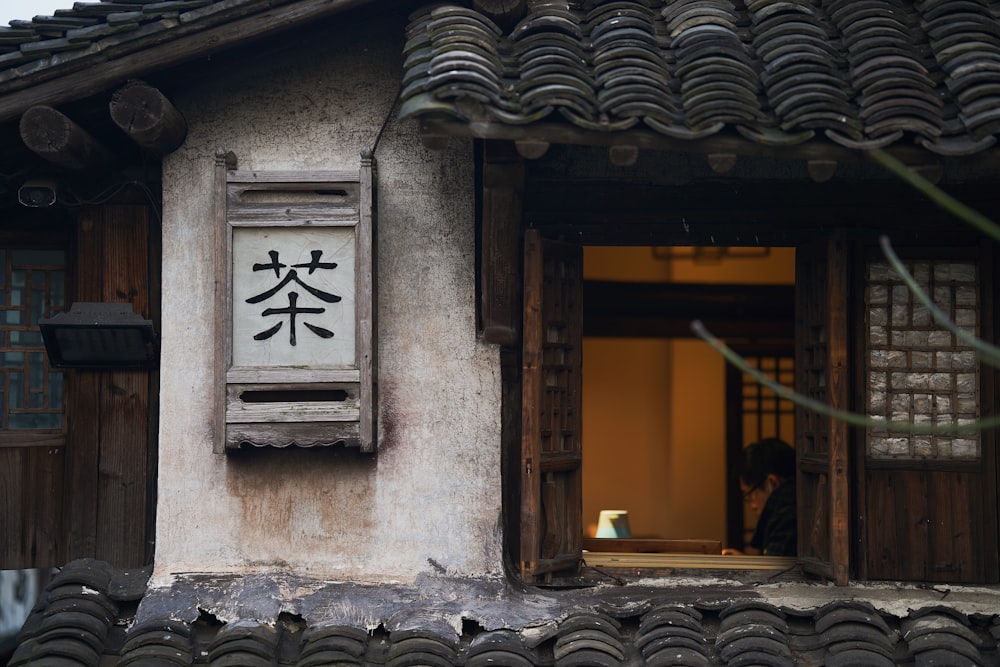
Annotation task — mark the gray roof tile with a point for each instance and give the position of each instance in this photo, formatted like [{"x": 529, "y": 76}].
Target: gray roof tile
[
  {"x": 860, "y": 73},
  {"x": 78, "y": 622}
]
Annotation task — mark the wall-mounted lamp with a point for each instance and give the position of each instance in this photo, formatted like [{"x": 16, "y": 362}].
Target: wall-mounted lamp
[
  {"x": 100, "y": 335},
  {"x": 38, "y": 193}
]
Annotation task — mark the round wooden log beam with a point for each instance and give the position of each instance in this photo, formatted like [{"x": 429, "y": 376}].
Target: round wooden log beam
[
  {"x": 148, "y": 118},
  {"x": 56, "y": 138}
]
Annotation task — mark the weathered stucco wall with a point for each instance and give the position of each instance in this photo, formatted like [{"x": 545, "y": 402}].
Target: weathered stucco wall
[{"x": 429, "y": 500}]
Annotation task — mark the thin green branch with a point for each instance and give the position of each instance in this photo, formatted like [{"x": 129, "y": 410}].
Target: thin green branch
[
  {"x": 988, "y": 354},
  {"x": 852, "y": 418},
  {"x": 937, "y": 195}
]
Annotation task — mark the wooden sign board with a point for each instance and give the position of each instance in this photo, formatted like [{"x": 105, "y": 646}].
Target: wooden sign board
[{"x": 296, "y": 308}]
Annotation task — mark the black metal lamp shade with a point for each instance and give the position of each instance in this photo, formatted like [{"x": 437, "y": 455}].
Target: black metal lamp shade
[{"x": 100, "y": 335}]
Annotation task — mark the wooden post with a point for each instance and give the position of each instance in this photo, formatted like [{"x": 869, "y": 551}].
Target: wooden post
[
  {"x": 503, "y": 191},
  {"x": 56, "y": 138},
  {"x": 148, "y": 117}
]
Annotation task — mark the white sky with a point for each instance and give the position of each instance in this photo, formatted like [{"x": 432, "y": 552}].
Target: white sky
[{"x": 25, "y": 9}]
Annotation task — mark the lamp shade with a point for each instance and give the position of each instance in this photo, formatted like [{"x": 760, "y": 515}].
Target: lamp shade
[
  {"x": 613, "y": 523},
  {"x": 99, "y": 335}
]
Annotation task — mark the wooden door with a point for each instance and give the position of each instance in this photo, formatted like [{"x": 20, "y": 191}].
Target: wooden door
[
  {"x": 551, "y": 479},
  {"x": 929, "y": 499},
  {"x": 821, "y": 443}
]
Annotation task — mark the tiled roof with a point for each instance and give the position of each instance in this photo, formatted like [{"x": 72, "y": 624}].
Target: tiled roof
[
  {"x": 860, "y": 73},
  {"x": 90, "y": 614},
  {"x": 120, "y": 35},
  {"x": 30, "y": 47}
]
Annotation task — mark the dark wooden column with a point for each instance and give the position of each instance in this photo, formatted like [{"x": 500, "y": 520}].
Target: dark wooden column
[{"x": 502, "y": 203}]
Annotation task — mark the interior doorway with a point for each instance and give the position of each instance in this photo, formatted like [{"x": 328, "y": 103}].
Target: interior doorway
[{"x": 664, "y": 416}]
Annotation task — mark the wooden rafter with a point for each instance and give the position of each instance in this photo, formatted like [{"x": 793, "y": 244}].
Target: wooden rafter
[
  {"x": 148, "y": 118},
  {"x": 55, "y": 137}
]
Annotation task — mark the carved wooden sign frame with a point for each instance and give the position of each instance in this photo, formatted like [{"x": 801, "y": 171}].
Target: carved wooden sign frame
[{"x": 297, "y": 308}]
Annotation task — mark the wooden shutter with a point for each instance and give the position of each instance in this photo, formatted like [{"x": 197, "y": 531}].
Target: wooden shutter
[
  {"x": 821, "y": 279},
  {"x": 551, "y": 497}
]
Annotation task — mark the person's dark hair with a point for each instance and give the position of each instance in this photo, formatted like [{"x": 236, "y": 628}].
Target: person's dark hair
[{"x": 764, "y": 457}]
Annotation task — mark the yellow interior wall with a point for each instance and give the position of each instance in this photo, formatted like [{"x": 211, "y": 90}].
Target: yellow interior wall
[{"x": 654, "y": 409}]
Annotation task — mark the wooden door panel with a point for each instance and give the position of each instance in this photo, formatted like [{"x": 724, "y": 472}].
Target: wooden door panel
[
  {"x": 821, "y": 372},
  {"x": 924, "y": 525},
  {"x": 551, "y": 453}
]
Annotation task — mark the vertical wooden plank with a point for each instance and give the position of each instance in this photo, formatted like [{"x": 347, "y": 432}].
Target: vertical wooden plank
[
  {"x": 839, "y": 397},
  {"x": 365, "y": 274},
  {"x": 862, "y": 553},
  {"x": 124, "y": 398},
  {"x": 531, "y": 401},
  {"x": 12, "y": 528},
  {"x": 822, "y": 373},
  {"x": 954, "y": 527},
  {"x": 880, "y": 535},
  {"x": 82, "y": 402},
  {"x": 990, "y": 406},
  {"x": 551, "y": 420},
  {"x": 734, "y": 455},
  {"x": 31, "y": 490},
  {"x": 944, "y": 528},
  {"x": 911, "y": 505},
  {"x": 224, "y": 162},
  {"x": 45, "y": 505}
]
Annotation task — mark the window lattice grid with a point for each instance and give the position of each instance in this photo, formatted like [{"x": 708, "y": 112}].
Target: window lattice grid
[
  {"x": 917, "y": 371},
  {"x": 765, "y": 414},
  {"x": 33, "y": 288}
]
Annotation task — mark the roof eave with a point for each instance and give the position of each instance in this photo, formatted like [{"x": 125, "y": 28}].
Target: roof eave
[{"x": 141, "y": 57}]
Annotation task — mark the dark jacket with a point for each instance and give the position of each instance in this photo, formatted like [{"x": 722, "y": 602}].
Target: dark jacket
[{"x": 777, "y": 533}]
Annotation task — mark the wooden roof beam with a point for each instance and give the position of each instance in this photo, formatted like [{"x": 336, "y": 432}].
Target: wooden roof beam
[
  {"x": 148, "y": 118},
  {"x": 56, "y": 138}
]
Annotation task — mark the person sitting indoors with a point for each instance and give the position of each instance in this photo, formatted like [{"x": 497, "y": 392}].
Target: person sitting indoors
[{"x": 767, "y": 479}]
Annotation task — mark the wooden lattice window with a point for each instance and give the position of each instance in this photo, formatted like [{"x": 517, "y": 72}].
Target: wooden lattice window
[
  {"x": 551, "y": 452},
  {"x": 765, "y": 414},
  {"x": 917, "y": 371},
  {"x": 33, "y": 287}
]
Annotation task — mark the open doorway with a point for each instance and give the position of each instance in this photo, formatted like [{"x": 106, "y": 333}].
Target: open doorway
[{"x": 664, "y": 417}]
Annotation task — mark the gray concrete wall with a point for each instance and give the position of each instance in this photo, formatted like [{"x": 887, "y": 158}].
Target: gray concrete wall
[{"x": 429, "y": 500}]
